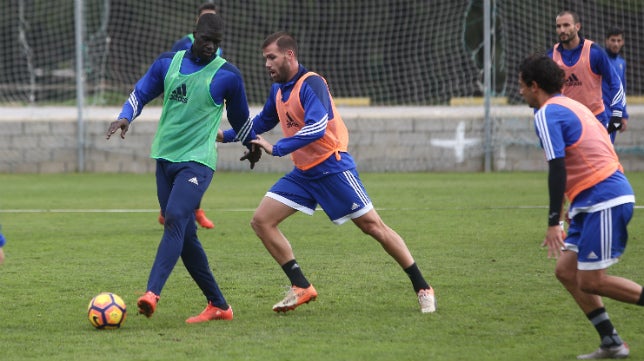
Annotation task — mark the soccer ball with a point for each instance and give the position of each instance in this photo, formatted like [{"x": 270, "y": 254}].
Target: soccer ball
[{"x": 106, "y": 311}]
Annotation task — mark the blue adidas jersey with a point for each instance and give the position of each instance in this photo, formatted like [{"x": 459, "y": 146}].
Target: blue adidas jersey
[
  {"x": 559, "y": 127},
  {"x": 600, "y": 65},
  {"x": 226, "y": 86},
  {"x": 316, "y": 102},
  {"x": 619, "y": 64}
]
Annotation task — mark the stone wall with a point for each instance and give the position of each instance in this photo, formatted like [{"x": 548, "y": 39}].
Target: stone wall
[{"x": 382, "y": 139}]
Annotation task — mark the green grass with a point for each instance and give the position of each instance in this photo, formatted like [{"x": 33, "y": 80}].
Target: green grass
[{"x": 476, "y": 237}]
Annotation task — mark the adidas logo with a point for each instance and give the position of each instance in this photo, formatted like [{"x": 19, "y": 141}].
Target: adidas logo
[
  {"x": 290, "y": 123},
  {"x": 592, "y": 255},
  {"x": 193, "y": 180},
  {"x": 572, "y": 80},
  {"x": 354, "y": 207},
  {"x": 180, "y": 94}
]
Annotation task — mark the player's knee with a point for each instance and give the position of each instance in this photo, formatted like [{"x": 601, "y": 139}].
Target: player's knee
[
  {"x": 257, "y": 223},
  {"x": 378, "y": 231},
  {"x": 565, "y": 276},
  {"x": 370, "y": 228},
  {"x": 370, "y": 225},
  {"x": 254, "y": 224},
  {"x": 173, "y": 215}
]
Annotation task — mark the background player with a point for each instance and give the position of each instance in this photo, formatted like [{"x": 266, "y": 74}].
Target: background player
[
  {"x": 584, "y": 83},
  {"x": 614, "y": 43}
]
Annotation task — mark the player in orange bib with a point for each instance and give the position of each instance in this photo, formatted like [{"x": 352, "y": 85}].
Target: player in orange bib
[
  {"x": 325, "y": 174},
  {"x": 583, "y": 167},
  {"x": 587, "y": 66}
]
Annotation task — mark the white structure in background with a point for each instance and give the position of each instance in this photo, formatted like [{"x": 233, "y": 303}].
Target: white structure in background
[{"x": 459, "y": 143}]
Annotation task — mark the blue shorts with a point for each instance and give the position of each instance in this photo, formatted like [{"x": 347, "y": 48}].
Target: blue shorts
[
  {"x": 599, "y": 238},
  {"x": 342, "y": 196}
]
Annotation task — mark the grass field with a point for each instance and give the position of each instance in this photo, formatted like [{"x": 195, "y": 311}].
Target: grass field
[{"x": 475, "y": 236}]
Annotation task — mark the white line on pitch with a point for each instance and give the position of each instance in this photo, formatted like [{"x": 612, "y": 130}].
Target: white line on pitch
[
  {"x": 253, "y": 209},
  {"x": 106, "y": 210}
]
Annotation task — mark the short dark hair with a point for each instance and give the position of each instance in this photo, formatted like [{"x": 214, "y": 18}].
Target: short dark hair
[
  {"x": 206, "y": 6},
  {"x": 614, "y": 31},
  {"x": 211, "y": 25},
  {"x": 541, "y": 69},
  {"x": 575, "y": 16},
  {"x": 284, "y": 41}
]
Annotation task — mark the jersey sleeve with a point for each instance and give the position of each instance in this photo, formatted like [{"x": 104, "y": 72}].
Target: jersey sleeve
[
  {"x": 227, "y": 87},
  {"x": 600, "y": 64},
  {"x": 267, "y": 118},
  {"x": 547, "y": 123},
  {"x": 264, "y": 121},
  {"x": 622, "y": 76},
  {"x": 147, "y": 88}
]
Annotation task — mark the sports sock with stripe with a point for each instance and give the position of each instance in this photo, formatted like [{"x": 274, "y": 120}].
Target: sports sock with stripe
[{"x": 607, "y": 333}]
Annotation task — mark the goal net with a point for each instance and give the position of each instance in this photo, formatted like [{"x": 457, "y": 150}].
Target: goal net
[{"x": 389, "y": 52}]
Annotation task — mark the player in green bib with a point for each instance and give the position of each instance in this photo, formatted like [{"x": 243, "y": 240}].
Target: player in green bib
[
  {"x": 185, "y": 43},
  {"x": 195, "y": 84},
  {"x": 188, "y": 124}
]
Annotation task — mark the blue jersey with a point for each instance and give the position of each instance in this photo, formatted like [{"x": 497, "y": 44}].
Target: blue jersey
[
  {"x": 316, "y": 102},
  {"x": 619, "y": 64},
  {"x": 600, "y": 65},
  {"x": 558, "y": 127},
  {"x": 226, "y": 86}
]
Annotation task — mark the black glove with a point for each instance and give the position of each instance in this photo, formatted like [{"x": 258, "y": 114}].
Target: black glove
[
  {"x": 253, "y": 155},
  {"x": 614, "y": 124}
]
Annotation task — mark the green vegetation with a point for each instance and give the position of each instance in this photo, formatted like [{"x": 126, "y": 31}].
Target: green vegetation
[{"x": 475, "y": 236}]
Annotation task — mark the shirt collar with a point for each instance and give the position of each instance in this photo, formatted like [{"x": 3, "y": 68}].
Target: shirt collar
[
  {"x": 198, "y": 60},
  {"x": 611, "y": 54},
  {"x": 579, "y": 46},
  {"x": 300, "y": 71}
]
